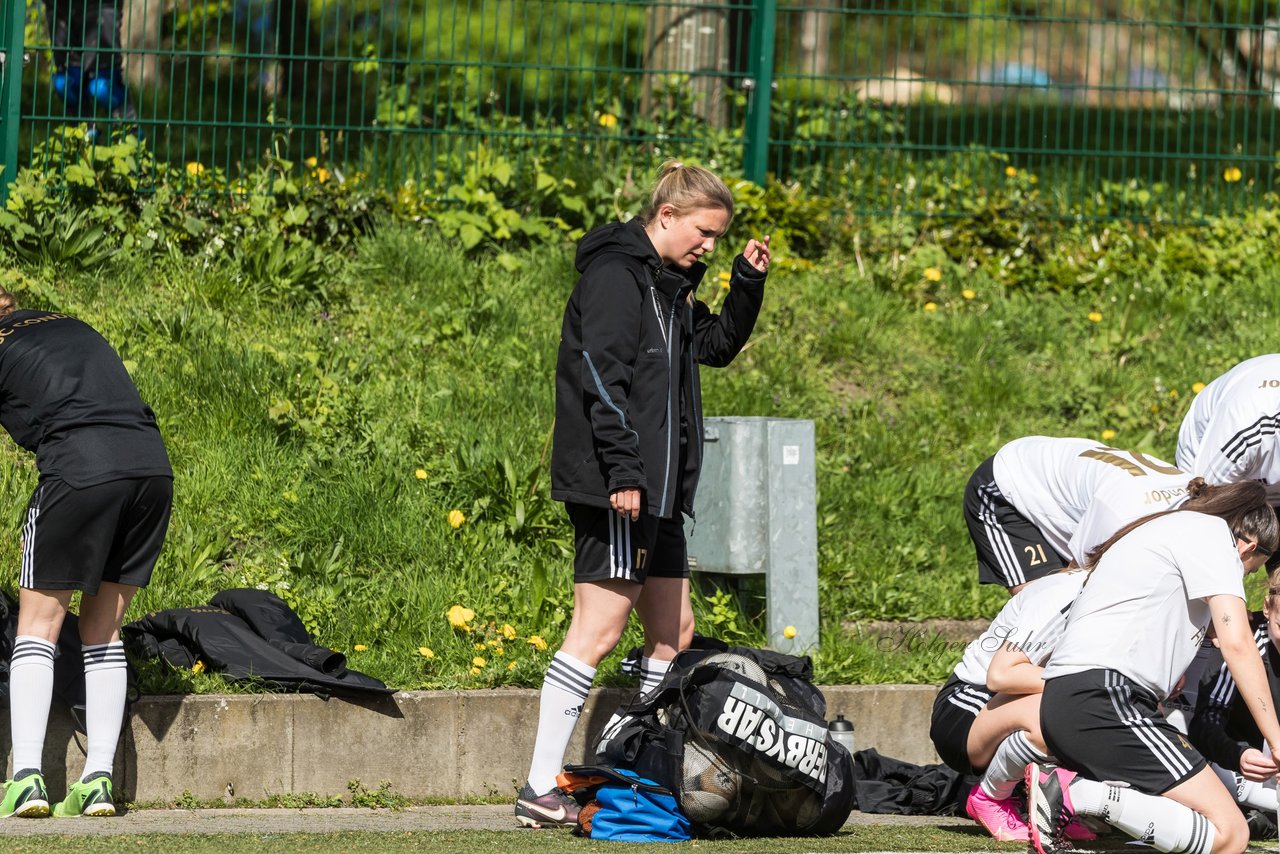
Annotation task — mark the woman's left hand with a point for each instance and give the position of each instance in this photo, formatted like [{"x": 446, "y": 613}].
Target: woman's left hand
[{"x": 757, "y": 254}]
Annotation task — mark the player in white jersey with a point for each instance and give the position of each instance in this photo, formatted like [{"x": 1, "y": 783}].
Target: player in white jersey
[
  {"x": 1155, "y": 587},
  {"x": 1027, "y": 507},
  {"x": 1232, "y": 430},
  {"x": 987, "y": 717}
]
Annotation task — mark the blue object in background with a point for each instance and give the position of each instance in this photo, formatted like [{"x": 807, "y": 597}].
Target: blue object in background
[
  {"x": 67, "y": 86},
  {"x": 108, "y": 91}
]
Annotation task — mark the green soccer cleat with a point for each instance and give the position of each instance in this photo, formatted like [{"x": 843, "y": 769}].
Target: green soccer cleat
[
  {"x": 25, "y": 796},
  {"x": 92, "y": 797}
]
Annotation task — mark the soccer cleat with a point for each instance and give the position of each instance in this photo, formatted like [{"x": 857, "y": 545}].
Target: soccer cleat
[
  {"x": 554, "y": 809},
  {"x": 91, "y": 797},
  {"x": 1077, "y": 831},
  {"x": 1049, "y": 807},
  {"x": 25, "y": 796},
  {"x": 999, "y": 817}
]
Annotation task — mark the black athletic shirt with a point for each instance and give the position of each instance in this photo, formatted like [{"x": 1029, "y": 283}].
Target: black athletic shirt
[{"x": 66, "y": 396}]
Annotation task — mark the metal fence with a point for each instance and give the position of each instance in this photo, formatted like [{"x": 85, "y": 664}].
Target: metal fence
[{"x": 1172, "y": 102}]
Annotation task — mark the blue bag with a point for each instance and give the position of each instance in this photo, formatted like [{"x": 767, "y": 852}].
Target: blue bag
[{"x": 635, "y": 809}]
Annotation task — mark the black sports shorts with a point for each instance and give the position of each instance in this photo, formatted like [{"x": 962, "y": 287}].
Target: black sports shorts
[
  {"x": 74, "y": 539},
  {"x": 954, "y": 710},
  {"x": 1011, "y": 549},
  {"x": 1107, "y": 727},
  {"x": 609, "y": 546}
]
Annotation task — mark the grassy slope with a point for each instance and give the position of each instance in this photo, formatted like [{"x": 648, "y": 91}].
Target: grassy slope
[{"x": 298, "y": 432}]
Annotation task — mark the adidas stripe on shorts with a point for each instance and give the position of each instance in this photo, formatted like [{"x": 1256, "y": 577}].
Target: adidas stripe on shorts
[
  {"x": 1011, "y": 549},
  {"x": 74, "y": 539},
  {"x": 954, "y": 710},
  {"x": 1107, "y": 727},
  {"x": 609, "y": 546}
]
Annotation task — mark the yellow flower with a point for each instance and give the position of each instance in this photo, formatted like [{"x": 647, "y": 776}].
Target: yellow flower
[
  {"x": 497, "y": 650},
  {"x": 511, "y": 666},
  {"x": 608, "y": 120},
  {"x": 933, "y": 274},
  {"x": 1095, "y": 316},
  {"x": 456, "y": 519},
  {"x": 311, "y": 162},
  {"x": 460, "y": 617},
  {"x": 425, "y": 652},
  {"x": 967, "y": 293},
  {"x": 1108, "y": 435},
  {"x": 477, "y": 662},
  {"x": 478, "y": 645},
  {"x": 1011, "y": 171},
  {"x": 322, "y": 175},
  {"x": 359, "y": 647},
  {"x": 476, "y": 671},
  {"x": 537, "y": 643},
  {"x": 420, "y": 474},
  {"x": 724, "y": 280},
  {"x": 931, "y": 306},
  {"x": 194, "y": 168},
  {"x": 198, "y": 667},
  {"x": 1173, "y": 392},
  {"x": 789, "y": 632},
  {"x": 1231, "y": 174},
  {"x": 508, "y": 631},
  {"x": 1197, "y": 387}
]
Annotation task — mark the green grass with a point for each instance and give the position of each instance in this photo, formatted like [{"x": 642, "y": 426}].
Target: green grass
[{"x": 321, "y": 442}]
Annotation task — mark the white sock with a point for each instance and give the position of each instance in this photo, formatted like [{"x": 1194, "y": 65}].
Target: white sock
[
  {"x": 105, "y": 684},
  {"x": 564, "y": 690},
  {"x": 652, "y": 671},
  {"x": 1260, "y": 796},
  {"x": 1006, "y": 768},
  {"x": 30, "y": 693},
  {"x": 1163, "y": 822}
]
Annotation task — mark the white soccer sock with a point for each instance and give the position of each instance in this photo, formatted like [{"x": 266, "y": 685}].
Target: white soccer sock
[
  {"x": 652, "y": 671},
  {"x": 1260, "y": 796},
  {"x": 30, "y": 693},
  {"x": 1006, "y": 768},
  {"x": 105, "y": 684},
  {"x": 1163, "y": 822},
  {"x": 564, "y": 690}
]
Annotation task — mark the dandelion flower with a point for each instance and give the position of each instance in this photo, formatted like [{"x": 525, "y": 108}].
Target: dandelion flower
[
  {"x": 477, "y": 662},
  {"x": 359, "y": 647},
  {"x": 1095, "y": 317},
  {"x": 420, "y": 474},
  {"x": 456, "y": 519},
  {"x": 933, "y": 274},
  {"x": 1011, "y": 171},
  {"x": 537, "y": 643},
  {"x": 322, "y": 175},
  {"x": 425, "y": 652},
  {"x": 460, "y": 617},
  {"x": 194, "y": 169},
  {"x": 311, "y": 162},
  {"x": 608, "y": 120},
  {"x": 198, "y": 667},
  {"x": 1173, "y": 392},
  {"x": 498, "y": 650},
  {"x": 508, "y": 631},
  {"x": 931, "y": 306},
  {"x": 1197, "y": 387},
  {"x": 476, "y": 671},
  {"x": 968, "y": 293},
  {"x": 1108, "y": 435},
  {"x": 789, "y": 632},
  {"x": 511, "y": 666},
  {"x": 478, "y": 646},
  {"x": 1232, "y": 174}
]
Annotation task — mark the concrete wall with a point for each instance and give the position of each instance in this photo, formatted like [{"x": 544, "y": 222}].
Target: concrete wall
[{"x": 445, "y": 744}]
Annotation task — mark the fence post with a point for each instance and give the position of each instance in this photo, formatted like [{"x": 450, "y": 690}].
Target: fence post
[
  {"x": 12, "y": 27},
  {"x": 756, "y": 145}
]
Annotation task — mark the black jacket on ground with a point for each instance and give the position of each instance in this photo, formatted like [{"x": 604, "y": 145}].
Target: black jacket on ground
[
  {"x": 628, "y": 399},
  {"x": 1222, "y": 728}
]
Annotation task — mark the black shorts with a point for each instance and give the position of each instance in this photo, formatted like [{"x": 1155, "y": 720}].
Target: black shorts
[
  {"x": 1108, "y": 728},
  {"x": 74, "y": 539},
  {"x": 954, "y": 710},
  {"x": 1011, "y": 550},
  {"x": 609, "y": 546}
]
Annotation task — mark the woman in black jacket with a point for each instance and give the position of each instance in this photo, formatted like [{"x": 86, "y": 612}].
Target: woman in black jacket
[{"x": 628, "y": 440}]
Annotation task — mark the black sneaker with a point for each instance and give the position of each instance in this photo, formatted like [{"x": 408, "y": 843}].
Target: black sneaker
[{"x": 554, "y": 809}]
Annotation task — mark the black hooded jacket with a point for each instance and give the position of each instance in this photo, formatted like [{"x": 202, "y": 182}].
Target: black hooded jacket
[
  {"x": 627, "y": 391},
  {"x": 1222, "y": 728}
]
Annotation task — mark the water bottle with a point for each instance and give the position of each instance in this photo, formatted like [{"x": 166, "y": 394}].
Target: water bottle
[{"x": 842, "y": 731}]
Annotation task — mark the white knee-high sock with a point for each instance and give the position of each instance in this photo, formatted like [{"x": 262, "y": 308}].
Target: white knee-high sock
[
  {"x": 105, "y": 684},
  {"x": 1006, "y": 768},
  {"x": 564, "y": 690},
  {"x": 1163, "y": 822},
  {"x": 652, "y": 671},
  {"x": 30, "y": 693},
  {"x": 1257, "y": 795}
]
